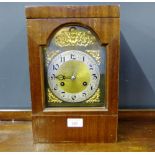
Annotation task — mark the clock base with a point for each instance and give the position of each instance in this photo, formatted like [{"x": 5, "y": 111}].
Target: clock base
[{"x": 53, "y": 129}]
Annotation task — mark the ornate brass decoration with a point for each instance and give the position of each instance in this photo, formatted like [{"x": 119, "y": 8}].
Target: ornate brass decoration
[
  {"x": 52, "y": 98},
  {"x": 95, "y": 54},
  {"x": 74, "y": 37},
  {"x": 49, "y": 56},
  {"x": 95, "y": 97}
]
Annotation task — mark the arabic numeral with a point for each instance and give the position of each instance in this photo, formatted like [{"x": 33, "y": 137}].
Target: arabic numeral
[
  {"x": 83, "y": 58},
  {"x": 73, "y": 56},
  {"x": 53, "y": 77},
  {"x": 84, "y": 94},
  {"x": 91, "y": 67},
  {"x": 73, "y": 97},
  {"x": 55, "y": 67},
  {"x": 62, "y": 59},
  {"x": 63, "y": 94},
  {"x": 94, "y": 76},
  {"x": 56, "y": 87}
]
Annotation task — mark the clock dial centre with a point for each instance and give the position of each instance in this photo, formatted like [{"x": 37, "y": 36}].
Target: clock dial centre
[
  {"x": 74, "y": 73},
  {"x": 73, "y": 77}
]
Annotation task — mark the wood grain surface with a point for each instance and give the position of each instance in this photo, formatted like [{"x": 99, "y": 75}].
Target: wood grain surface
[
  {"x": 69, "y": 11},
  {"x": 95, "y": 129},
  {"x": 137, "y": 114},
  {"x": 123, "y": 114},
  {"x": 15, "y": 115},
  {"x": 133, "y": 136}
]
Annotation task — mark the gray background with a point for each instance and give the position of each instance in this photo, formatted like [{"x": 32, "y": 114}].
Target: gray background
[{"x": 137, "y": 74}]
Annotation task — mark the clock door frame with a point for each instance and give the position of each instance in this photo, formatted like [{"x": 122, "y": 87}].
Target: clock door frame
[{"x": 48, "y": 122}]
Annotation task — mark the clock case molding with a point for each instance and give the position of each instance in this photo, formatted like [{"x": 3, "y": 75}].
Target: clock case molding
[{"x": 50, "y": 124}]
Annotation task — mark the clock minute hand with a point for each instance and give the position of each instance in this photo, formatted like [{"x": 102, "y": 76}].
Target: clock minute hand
[{"x": 73, "y": 77}]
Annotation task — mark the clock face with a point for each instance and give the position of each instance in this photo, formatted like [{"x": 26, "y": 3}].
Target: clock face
[{"x": 73, "y": 76}]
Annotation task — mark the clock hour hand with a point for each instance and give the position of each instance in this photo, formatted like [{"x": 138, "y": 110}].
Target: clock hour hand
[{"x": 62, "y": 77}]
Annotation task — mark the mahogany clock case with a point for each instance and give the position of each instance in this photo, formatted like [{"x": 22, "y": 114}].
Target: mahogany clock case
[{"x": 50, "y": 123}]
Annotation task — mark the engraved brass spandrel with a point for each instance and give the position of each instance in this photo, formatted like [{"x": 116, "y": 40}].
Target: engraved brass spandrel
[
  {"x": 49, "y": 56},
  {"x": 95, "y": 54},
  {"x": 95, "y": 97},
  {"x": 52, "y": 98},
  {"x": 74, "y": 37}
]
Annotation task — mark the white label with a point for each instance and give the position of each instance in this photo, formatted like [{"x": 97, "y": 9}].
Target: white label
[{"x": 74, "y": 122}]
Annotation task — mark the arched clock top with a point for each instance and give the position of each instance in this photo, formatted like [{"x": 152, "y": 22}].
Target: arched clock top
[{"x": 73, "y": 34}]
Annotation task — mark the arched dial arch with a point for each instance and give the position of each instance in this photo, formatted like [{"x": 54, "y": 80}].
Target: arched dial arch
[{"x": 74, "y": 67}]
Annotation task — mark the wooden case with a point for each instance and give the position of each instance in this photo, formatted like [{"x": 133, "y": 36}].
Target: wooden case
[{"x": 50, "y": 124}]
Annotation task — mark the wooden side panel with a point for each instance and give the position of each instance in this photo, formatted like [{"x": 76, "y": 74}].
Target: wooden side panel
[
  {"x": 69, "y": 11},
  {"x": 35, "y": 67},
  {"x": 113, "y": 60},
  {"x": 99, "y": 128}
]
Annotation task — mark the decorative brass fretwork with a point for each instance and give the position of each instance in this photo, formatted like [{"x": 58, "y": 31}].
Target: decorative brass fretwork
[
  {"x": 95, "y": 54},
  {"x": 95, "y": 97},
  {"x": 74, "y": 37},
  {"x": 52, "y": 98},
  {"x": 49, "y": 56}
]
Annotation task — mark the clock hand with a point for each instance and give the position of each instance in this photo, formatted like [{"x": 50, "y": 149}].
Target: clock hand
[
  {"x": 62, "y": 77},
  {"x": 73, "y": 77}
]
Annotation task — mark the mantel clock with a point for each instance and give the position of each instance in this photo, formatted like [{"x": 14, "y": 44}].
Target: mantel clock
[{"x": 74, "y": 69}]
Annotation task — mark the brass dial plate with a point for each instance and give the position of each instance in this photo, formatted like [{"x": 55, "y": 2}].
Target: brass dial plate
[{"x": 76, "y": 76}]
